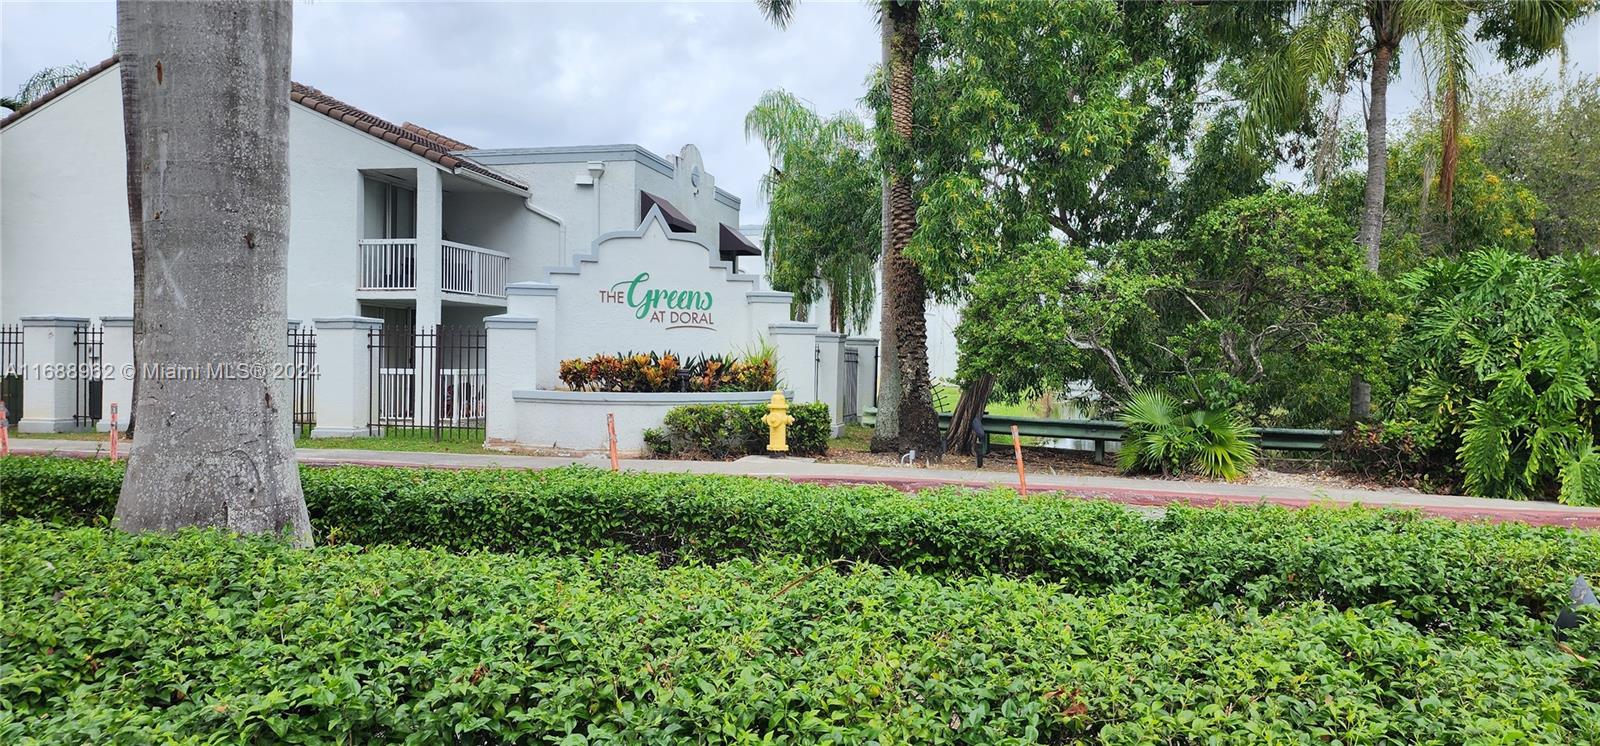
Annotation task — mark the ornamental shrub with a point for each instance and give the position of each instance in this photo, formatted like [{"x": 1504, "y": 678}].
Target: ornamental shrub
[
  {"x": 1500, "y": 367},
  {"x": 1441, "y": 575},
  {"x": 199, "y": 638},
  {"x": 732, "y": 430},
  {"x": 639, "y": 372}
]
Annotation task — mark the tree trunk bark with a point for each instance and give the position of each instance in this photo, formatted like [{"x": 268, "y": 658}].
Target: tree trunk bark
[
  {"x": 1371, "y": 234},
  {"x": 886, "y": 431},
  {"x": 835, "y": 311},
  {"x": 210, "y": 83},
  {"x": 130, "y": 141},
  {"x": 974, "y": 398},
  {"x": 904, "y": 288}
]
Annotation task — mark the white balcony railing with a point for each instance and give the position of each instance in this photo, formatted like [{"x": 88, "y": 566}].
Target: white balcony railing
[
  {"x": 470, "y": 269},
  {"x": 391, "y": 264}
]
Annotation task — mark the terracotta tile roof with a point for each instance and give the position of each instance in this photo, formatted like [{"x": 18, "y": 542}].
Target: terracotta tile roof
[
  {"x": 423, "y": 142},
  {"x": 449, "y": 142},
  {"x": 419, "y": 140},
  {"x": 60, "y": 89}
]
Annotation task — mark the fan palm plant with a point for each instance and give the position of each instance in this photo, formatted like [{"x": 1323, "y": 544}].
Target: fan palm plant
[{"x": 1161, "y": 438}]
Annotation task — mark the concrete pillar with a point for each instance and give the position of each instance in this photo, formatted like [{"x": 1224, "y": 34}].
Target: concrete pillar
[
  {"x": 766, "y": 308},
  {"x": 866, "y": 382},
  {"x": 345, "y": 376},
  {"x": 116, "y": 357},
  {"x": 513, "y": 359},
  {"x": 49, "y": 381},
  {"x": 796, "y": 342},
  {"x": 830, "y": 377},
  {"x": 537, "y": 300},
  {"x": 430, "y": 227}
]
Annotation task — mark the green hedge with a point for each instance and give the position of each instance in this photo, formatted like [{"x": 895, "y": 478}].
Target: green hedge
[
  {"x": 1439, "y": 574},
  {"x": 733, "y": 430},
  {"x": 199, "y": 638}
]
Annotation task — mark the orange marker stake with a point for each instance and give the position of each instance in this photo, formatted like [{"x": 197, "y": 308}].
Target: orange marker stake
[
  {"x": 611, "y": 427},
  {"x": 113, "y": 432},
  {"x": 1016, "y": 447}
]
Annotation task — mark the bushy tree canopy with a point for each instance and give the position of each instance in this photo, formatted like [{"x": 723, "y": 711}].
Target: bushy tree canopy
[{"x": 1264, "y": 305}]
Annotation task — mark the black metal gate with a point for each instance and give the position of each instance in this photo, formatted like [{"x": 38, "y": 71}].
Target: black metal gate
[
  {"x": 852, "y": 366},
  {"x": 88, "y": 348},
  {"x": 303, "y": 378},
  {"x": 428, "y": 383},
  {"x": 11, "y": 371}
]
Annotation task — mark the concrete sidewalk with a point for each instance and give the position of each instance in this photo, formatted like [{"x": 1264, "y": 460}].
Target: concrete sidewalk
[{"x": 1130, "y": 491}]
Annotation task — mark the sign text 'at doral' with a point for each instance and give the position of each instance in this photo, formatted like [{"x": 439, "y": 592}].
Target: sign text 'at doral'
[{"x": 675, "y": 308}]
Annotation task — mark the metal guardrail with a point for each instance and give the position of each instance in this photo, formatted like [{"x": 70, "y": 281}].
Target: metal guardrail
[{"x": 1103, "y": 431}]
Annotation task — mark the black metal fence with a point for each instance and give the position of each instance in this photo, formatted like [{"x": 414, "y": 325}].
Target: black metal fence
[
  {"x": 11, "y": 371},
  {"x": 303, "y": 378},
  {"x": 429, "y": 383},
  {"x": 852, "y": 366},
  {"x": 88, "y": 349}
]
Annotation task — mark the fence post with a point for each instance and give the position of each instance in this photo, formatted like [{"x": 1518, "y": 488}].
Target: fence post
[
  {"x": 116, "y": 351},
  {"x": 513, "y": 364},
  {"x": 796, "y": 343},
  {"x": 49, "y": 390},
  {"x": 344, "y": 373},
  {"x": 830, "y": 377},
  {"x": 866, "y": 382}
]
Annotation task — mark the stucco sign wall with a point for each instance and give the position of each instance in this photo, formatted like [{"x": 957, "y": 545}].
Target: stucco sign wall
[{"x": 645, "y": 290}]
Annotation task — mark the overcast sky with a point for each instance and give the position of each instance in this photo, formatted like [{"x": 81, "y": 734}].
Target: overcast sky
[{"x": 536, "y": 74}]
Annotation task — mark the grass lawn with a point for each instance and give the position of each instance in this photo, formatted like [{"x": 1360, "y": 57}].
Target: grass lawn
[
  {"x": 400, "y": 442},
  {"x": 60, "y": 436}
]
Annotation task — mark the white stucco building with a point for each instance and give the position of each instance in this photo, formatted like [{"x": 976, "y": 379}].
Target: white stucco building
[
  {"x": 531, "y": 255},
  {"x": 392, "y": 221}
]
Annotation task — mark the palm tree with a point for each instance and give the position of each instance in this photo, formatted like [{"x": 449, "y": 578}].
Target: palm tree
[
  {"x": 40, "y": 83},
  {"x": 906, "y": 418},
  {"x": 823, "y": 233},
  {"x": 210, "y": 107},
  {"x": 1325, "y": 42}
]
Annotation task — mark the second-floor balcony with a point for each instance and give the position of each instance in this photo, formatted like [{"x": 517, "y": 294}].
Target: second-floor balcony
[{"x": 391, "y": 264}]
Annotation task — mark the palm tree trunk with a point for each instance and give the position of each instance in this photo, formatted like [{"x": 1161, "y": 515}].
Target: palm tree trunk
[
  {"x": 130, "y": 141},
  {"x": 1371, "y": 234},
  {"x": 905, "y": 290},
  {"x": 210, "y": 84}
]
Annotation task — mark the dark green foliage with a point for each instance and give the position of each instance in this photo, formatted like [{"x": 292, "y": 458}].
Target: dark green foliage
[
  {"x": 1500, "y": 366},
  {"x": 1440, "y": 574},
  {"x": 204, "y": 638},
  {"x": 734, "y": 430},
  {"x": 1265, "y": 307}
]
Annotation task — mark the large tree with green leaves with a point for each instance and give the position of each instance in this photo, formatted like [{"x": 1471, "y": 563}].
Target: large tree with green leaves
[
  {"x": 1310, "y": 50},
  {"x": 1100, "y": 127},
  {"x": 1264, "y": 305},
  {"x": 823, "y": 207},
  {"x": 906, "y": 418},
  {"x": 1545, "y": 137}
]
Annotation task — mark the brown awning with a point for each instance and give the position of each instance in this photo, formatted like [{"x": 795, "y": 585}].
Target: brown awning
[
  {"x": 732, "y": 243},
  {"x": 677, "y": 221}
]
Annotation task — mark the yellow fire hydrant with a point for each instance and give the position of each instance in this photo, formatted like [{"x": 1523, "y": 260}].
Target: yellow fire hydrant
[{"x": 778, "y": 422}]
